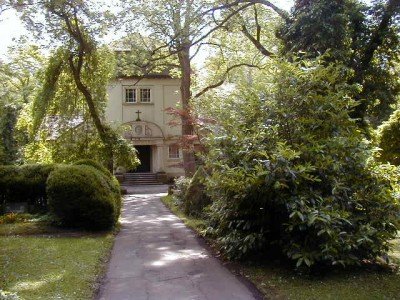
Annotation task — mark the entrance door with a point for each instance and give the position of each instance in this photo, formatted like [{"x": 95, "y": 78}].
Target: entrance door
[{"x": 144, "y": 155}]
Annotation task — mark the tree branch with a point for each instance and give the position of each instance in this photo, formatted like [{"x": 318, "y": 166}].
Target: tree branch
[
  {"x": 256, "y": 42},
  {"x": 279, "y": 11},
  {"x": 378, "y": 36},
  {"x": 226, "y": 19},
  {"x": 221, "y": 82}
]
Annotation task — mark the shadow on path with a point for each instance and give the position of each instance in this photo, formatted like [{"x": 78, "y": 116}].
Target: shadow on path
[{"x": 156, "y": 257}]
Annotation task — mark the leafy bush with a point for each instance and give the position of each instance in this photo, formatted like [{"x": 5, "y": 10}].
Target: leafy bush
[
  {"x": 115, "y": 189},
  {"x": 389, "y": 139},
  {"x": 94, "y": 164},
  {"x": 181, "y": 184},
  {"x": 290, "y": 170},
  {"x": 9, "y": 218},
  {"x": 25, "y": 183},
  {"x": 81, "y": 196},
  {"x": 113, "y": 183},
  {"x": 196, "y": 199}
]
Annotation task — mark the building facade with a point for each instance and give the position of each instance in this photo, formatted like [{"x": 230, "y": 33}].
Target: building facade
[{"x": 138, "y": 105}]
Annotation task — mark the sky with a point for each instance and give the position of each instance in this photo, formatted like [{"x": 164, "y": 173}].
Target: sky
[{"x": 11, "y": 27}]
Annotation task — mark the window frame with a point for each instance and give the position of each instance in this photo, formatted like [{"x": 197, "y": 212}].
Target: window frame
[
  {"x": 127, "y": 89},
  {"x": 177, "y": 151},
  {"x": 138, "y": 93},
  {"x": 141, "y": 95}
]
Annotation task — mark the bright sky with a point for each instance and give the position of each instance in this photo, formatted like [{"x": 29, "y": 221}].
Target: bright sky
[{"x": 11, "y": 27}]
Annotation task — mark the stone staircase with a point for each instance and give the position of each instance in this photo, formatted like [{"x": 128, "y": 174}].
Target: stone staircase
[{"x": 140, "y": 179}]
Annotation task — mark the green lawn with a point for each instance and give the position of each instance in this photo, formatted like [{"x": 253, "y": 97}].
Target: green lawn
[
  {"x": 40, "y": 262},
  {"x": 277, "y": 282}
]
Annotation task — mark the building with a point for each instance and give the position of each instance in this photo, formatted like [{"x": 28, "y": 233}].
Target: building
[{"x": 139, "y": 105}]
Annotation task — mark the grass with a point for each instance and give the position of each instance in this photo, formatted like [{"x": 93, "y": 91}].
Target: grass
[
  {"x": 194, "y": 223},
  {"x": 278, "y": 282},
  {"x": 42, "y": 262}
]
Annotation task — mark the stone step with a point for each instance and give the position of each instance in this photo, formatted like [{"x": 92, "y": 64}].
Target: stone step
[
  {"x": 140, "y": 179},
  {"x": 135, "y": 175},
  {"x": 141, "y": 183},
  {"x": 140, "y": 176}
]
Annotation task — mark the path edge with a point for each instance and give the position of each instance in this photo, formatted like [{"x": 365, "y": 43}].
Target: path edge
[{"x": 233, "y": 267}]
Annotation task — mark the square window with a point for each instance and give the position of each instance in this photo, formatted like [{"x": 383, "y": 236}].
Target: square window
[
  {"x": 173, "y": 152},
  {"x": 145, "y": 95},
  {"x": 130, "y": 95}
]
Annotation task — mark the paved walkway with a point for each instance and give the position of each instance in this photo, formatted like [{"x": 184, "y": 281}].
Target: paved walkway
[{"x": 156, "y": 257}]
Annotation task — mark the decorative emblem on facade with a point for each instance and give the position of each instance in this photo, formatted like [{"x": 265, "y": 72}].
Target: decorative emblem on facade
[
  {"x": 139, "y": 129},
  {"x": 143, "y": 130},
  {"x": 147, "y": 131}
]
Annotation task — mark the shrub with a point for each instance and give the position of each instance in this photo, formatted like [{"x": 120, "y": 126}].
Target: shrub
[
  {"x": 181, "y": 183},
  {"x": 292, "y": 171},
  {"x": 81, "y": 196},
  {"x": 389, "y": 139},
  {"x": 9, "y": 184},
  {"x": 113, "y": 183},
  {"x": 196, "y": 199},
  {"x": 94, "y": 164},
  {"x": 25, "y": 183},
  {"x": 9, "y": 218},
  {"x": 116, "y": 193}
]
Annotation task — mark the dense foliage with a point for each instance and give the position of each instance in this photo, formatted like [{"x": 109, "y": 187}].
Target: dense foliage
[
  {"x": 290, "y": 170},
  {"x": 181, "y": 184},
  {"x": 19, "y": 77},
  {"x": 82, "y": 196},
  {"x": 195, "y": 199},
  {"x": 289, "y": 167},
  {"x": 94, "y": 164},
  {"x": 389, "y": 139},
  {"x": 364, "y": 37},
  {"x": 8, "y": 144},
  {"x": 25, "y": 183}
]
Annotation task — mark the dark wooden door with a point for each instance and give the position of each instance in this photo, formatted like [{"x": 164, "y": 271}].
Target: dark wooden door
[{"x": 144, "y": 155}]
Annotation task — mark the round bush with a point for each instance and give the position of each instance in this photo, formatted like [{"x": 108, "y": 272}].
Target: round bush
[
  {"x": 94, "y": 164},
  {"x": 110, "y": 181},
  {"x": 81, "y": 196}
]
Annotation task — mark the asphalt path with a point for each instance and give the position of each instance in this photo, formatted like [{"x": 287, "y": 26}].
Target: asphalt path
[{"x": 155, "y": 256}]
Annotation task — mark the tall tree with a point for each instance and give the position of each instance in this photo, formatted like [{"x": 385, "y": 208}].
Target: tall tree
[
  {"x": 183, "y": 27},
  {"x": 363, "y": 37},
  {"x": 75, "y": 26},
  {"x": 176, "y": 24}
]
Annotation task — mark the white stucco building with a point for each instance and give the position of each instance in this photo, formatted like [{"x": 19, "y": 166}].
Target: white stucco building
[{"x": 139, "y": 104}]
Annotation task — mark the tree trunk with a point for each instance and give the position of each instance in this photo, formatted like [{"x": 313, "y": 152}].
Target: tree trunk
[
  {"x": 102, "y": 131},
  {"x": 377, "y": 39},
  {"x": 187, "y": 126}
]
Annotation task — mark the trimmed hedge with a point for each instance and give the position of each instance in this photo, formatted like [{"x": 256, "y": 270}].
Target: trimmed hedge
[
  {"x": 113, "y": 183},
  {"x": 82, "y": 196},
  {"x": 94, "y": 164},
  {"x": 25, "y": 183}
]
